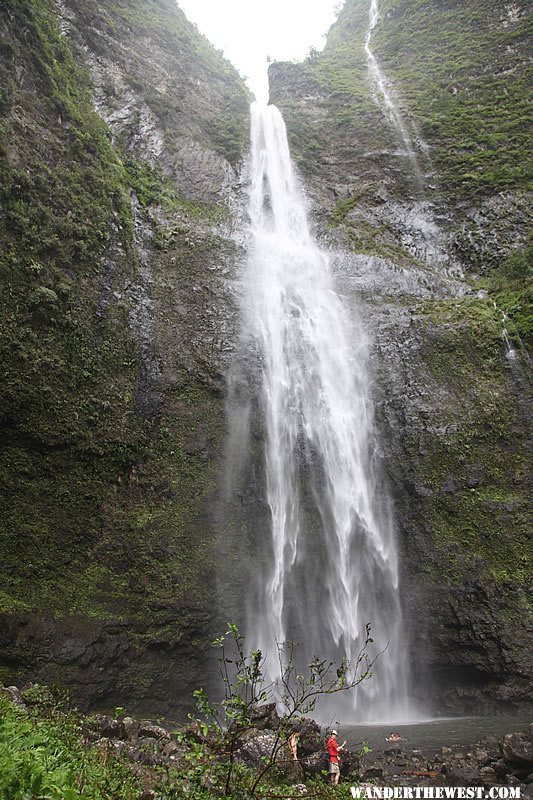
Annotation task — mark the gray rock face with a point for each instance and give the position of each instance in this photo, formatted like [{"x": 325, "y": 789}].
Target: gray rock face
[
  {"x": 158, "y": 306},
  {"x": 256, "y": 745},
  {"x": 167, "y": 105},
  {"x": 491, "y": 230},
  {"x": 437, "y": 358}
]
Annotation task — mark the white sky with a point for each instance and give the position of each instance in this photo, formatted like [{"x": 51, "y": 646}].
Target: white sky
[{"x": 248, "y": 31}]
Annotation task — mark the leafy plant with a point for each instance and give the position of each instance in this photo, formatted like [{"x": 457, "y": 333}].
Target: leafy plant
[
  {"x": 247, "y": 686},
  {"x": 42, "y": 756}
]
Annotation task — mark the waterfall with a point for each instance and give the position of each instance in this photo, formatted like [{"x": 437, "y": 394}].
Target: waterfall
[
  {"x": 329, "y": 563},
  {"x": 422, "y": 234},
  {"x": 379, "y": 82}
]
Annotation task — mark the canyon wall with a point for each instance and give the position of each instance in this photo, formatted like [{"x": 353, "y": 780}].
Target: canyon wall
[
  {"x": 437, "y": 240},
  {"x": 122, "y": 141}
]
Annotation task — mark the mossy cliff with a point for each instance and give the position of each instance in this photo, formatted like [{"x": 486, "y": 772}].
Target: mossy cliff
[
  {"x": 460, "y": 72},
  {"x": 116, "y": 319},
  {"x": 120, "y": 141},
  {"x": 431, "y": 254}
]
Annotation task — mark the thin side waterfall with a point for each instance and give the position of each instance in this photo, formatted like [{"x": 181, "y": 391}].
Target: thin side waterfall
[
  {"x": 329, "y": 562},
  {"x": 378, "y": 80}
]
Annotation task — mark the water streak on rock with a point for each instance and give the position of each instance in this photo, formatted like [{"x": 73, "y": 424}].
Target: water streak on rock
[{"x": 384, "y": 96}]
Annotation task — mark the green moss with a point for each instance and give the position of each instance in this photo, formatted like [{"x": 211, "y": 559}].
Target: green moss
[
  {"x": 153, "y": 187},
  {"x": 460, "y": 75},
  {"x": 151, "y": 545},
  {"x": 460, "y": 72},
  {"x": 104, "y": 504},
  {"x": 510, "y": 287},
  {"x": 364, "y": 237},
  {"x": 65, "y": 365},
  {"x": 473, "y": 460}
]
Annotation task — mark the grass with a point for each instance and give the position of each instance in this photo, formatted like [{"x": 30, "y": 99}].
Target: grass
[{"x": 461, "y": 75}]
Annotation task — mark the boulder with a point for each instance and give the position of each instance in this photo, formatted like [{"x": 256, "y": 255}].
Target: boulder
[
  {"x": 255, "y": 745},
  {"x": 106, "y": 726},
  {"x": 517, "y": 748},
  {"x": 147, "y": 752},
  {"x": 311, "y": 739},
  {"x": 131, "y": 728},
  {"x": 265, "y": 717},
  {"x": 315, "y": 763},
  {"x": 500, "y": 767},
  {"x": 174, "y": 751},
  {"x": 460, "y": 776},
  {"x": 292, "y": 769},
  {"x": 197, "y": 732},
  {"x": 488, "y": 776},
  {"x": 482, "y": 757},
  {"x": 374, "y": 771},
  {"x": 393, "y": 751},
  {"x": 149, "y": 730},
  {"x": 350, "y": 762},
  {"x": 13, "y": 693}
]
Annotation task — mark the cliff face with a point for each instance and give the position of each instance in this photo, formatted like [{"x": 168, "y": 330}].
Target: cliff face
[
  {"x": 438, "y": 235},
  {"x": 117, "y": 253},
  {"x": 120, "y": 141}
]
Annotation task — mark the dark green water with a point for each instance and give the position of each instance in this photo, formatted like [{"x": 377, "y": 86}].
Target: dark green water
[{"x": 433, "y": 734}]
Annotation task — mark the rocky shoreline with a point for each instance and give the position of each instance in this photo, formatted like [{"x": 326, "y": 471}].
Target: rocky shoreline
[{"x": 148, "y": 746}]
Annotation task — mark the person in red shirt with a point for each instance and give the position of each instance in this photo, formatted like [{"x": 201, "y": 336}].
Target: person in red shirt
[{"x": 334, "y": 749}]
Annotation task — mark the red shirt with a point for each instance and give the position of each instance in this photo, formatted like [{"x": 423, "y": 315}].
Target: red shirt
[{"x": 333, "y": 749}]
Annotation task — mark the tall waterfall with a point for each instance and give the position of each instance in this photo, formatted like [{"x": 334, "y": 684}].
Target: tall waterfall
[
  {"x": 384, "y": 96},
  {"x": 329, "y": 563}
]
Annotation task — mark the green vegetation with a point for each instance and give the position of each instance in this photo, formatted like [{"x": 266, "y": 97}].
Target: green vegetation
[
  {"x": 510, "y": 286},
  {"x": 365, "y": 237},
  {"x": 42, "y": 756},
  {"x": 246, "y": 687},
  {"x": 472, "y": 464},
  {"x": 68, "y": 364},
  {"x": 460, "y": 74},
  {"x": 49, "y": 752},
  {"x": 461, "y": 70},
  {"x": 105, "y": 501}
]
